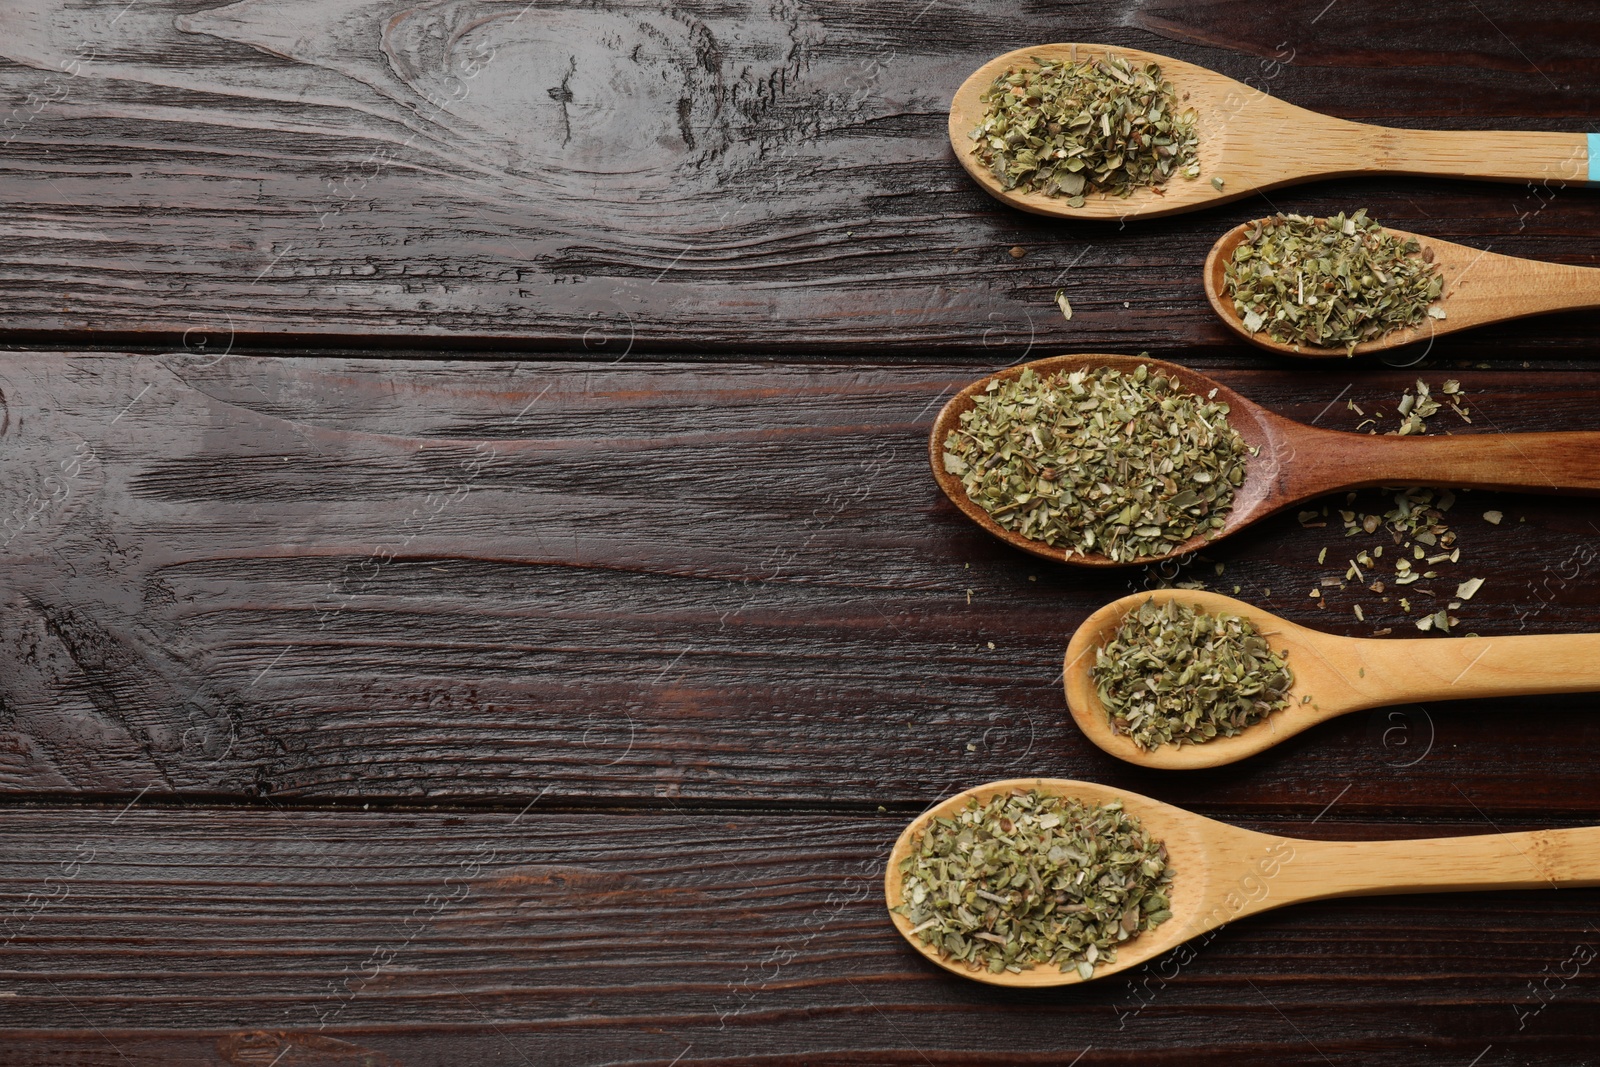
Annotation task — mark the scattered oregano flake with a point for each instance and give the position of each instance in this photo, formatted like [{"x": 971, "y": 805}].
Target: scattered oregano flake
[
  {"x": 1064, "y": 304},
  {"x": 1414, "y": 410},
  {"x": 1127, "y": 465},
  {"x": 1102, "y": 125},
  {"x": 1414, "y": 529},
  {"x": 1330, "y": 282},
  {"x": 1174, "y": 675},
  {"x": 1031, "y": 878}
]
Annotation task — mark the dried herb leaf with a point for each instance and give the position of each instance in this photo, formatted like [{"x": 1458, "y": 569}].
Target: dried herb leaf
[
  {"x": 1068, "y": 128},
  {"x": 1173, "y": 674},
  {"x": 1414, "y": 529},
  {"x": 1064, "y": 304},
  {"x": 1127, "y": 465},
  {"x": 1030, "y": 878},
  {"x": 1329, "y": 282}
]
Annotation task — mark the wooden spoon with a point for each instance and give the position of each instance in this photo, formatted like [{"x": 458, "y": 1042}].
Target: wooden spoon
[
  {"x": 1295, "y": 462},
  {"x": 1339, "y": 674},
  {"x": 1223, "y": 872},
  {"x": 1253, "y": 142},
  {"x": 1480, "y": 287}
]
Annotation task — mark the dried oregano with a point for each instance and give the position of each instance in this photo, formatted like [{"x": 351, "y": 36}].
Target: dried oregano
[
  {"x": 1067, "y": 128},
  {"x": 1330, "y": 283},
  {"x": 1413, "y": 539},
  {"x": 1030, "y": 878},
  {"x": 1175, "y": 675},
  {"x": 1126, "y": 465}
]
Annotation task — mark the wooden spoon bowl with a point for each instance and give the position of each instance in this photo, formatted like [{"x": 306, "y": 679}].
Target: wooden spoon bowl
[
  {"x": 1480, "y": 287},
  {"x": 1254, "y": 142},
  {"x": 1259, "y": 428},
  {"x": 1223, "y": 872},
  {"x": 1295, "y": 462},
  {"x": 1333, "y": 675},
  {"x": 1185, "y": 836}
]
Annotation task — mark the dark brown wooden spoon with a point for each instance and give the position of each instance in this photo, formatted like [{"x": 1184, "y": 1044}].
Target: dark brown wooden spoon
[{"x": 1294, "y": 462}]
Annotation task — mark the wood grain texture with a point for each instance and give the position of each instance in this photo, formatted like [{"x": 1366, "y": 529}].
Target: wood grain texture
[
  {"x": 594, "y": 178},
  {"x": 209, "y": 936},
  {"x": 660, "y": 583},
  {"x": 624, "y": 656}
]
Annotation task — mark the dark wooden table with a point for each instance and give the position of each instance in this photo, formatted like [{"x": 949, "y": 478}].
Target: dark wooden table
[{"x": 472, "y": 588}]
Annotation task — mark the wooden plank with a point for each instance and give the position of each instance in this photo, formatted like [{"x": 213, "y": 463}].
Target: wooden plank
[
  {"x": 215, "y": 936},
  {"x": 659, "y": 582},
  {"x": 611, "y": 177}
]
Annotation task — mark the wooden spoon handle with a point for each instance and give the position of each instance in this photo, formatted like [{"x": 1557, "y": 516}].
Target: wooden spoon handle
[
  {"x": 1554, "y": 158},
  {"x": 1466, "y": 668},
  {"x": 1515, "y": 288},
  {"x": 1532, "y": 462},
  {"x": 1540, "y": 859}
]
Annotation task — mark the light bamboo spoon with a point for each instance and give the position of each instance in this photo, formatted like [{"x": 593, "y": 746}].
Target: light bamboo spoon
[
  {"x": 1338, "y": 674},
  {"x": 1295, "y": 462},
  {"x": 1480, "y": 287},
  {"x": 1253, "y": 142},
  {"x": 1222, "y": 872}
]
